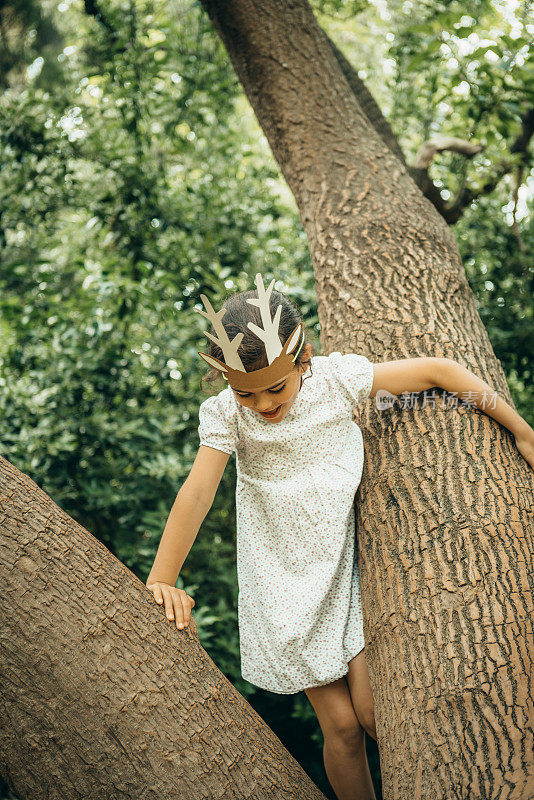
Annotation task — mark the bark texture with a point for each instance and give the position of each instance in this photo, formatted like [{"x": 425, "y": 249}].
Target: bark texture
[
  {"x": 445, "y": 511},
  {"x": 101, "y": 696}
]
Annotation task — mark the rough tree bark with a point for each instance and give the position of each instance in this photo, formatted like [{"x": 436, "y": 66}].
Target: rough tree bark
[
  {"x": 100, "y": 696},
  {"x": 445, "y": 512}
]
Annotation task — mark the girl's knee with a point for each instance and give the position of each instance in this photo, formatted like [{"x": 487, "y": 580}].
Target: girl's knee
[
  {"x": 337, "y": 716},
  {"x": 366, "y": 718},
  {"x": 346, "y": 735},
  {"x": 361, "y": 693}
]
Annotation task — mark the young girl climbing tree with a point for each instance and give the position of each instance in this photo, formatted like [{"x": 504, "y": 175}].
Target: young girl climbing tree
[{"x": 288, "y": 417}]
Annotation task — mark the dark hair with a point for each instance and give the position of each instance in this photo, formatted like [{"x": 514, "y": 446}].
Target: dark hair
[{"x": 252, "y": 350}]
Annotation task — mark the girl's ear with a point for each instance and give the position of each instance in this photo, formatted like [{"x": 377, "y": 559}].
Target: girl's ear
[{"x": 306, "y": 355}]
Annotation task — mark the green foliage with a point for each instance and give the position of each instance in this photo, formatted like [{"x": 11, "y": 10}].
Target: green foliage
[
  {"x": 27, "y": 28},
  {"x": 501, "y": 274},
  {"x": 466, "y": 70},
  {"x": 125, "y": 194},
  {"x": 340, "y": 9}
]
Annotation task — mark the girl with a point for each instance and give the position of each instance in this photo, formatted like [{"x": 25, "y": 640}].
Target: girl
[{"x": 287, "y": 415}]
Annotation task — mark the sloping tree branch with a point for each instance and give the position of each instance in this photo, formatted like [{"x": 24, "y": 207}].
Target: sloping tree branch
[
  {"x": 452, "y": 212},
  {"x": 438, "y": 144},
  {"x": 101, "y": 696}
]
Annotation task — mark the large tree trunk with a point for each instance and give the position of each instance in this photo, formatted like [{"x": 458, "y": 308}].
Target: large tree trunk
[
  {"x": 445, "y": 516},
  {"x": 100, "y": 695}
]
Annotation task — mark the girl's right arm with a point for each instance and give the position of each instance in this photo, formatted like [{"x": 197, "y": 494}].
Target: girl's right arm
[{"x": 192, "y": 503}]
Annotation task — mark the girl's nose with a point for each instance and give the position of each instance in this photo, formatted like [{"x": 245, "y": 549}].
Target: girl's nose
[{"x": 263, "y": 404}]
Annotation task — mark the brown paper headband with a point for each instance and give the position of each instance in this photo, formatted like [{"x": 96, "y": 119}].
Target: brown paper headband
[{"x": 280, "y": 358}]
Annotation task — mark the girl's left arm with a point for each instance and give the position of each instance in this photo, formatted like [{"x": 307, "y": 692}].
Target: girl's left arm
[{"x": 418, "y": 374}]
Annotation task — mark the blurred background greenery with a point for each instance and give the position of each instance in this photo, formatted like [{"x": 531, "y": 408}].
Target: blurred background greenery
[{"x": 134, "y": 177}]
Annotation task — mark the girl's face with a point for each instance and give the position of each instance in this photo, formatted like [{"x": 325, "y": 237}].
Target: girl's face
[{"x": 279, "y": 397}]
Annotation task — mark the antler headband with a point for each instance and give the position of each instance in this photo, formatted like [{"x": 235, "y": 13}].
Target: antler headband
[{"x": 280, "y": 358}]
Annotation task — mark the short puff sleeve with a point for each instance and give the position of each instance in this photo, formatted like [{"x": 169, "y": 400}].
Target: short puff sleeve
[
  {"x": 217, "y": 425},
  {"x": 352, "y": 374}
]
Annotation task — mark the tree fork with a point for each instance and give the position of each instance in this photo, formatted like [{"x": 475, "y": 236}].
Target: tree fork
[
  {"x": 102, "y": 696},
  {"x": 445, "y": 517}
]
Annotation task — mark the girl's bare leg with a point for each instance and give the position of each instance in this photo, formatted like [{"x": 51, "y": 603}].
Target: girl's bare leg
[
  {"x": 345, "y": 759},
  {"x": 361, "y": 693}
]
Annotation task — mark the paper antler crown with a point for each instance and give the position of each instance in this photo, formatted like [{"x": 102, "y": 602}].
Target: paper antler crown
[{"x": 280, "y": 357}]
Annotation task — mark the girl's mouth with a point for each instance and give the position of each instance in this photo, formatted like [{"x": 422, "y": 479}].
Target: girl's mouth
[{"x": 271, "y": 413}]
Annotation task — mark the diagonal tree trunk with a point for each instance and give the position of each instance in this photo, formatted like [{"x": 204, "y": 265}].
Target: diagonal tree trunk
[
  {"x": 101, "y": 697},
  {"x": 445, "y": 516}
]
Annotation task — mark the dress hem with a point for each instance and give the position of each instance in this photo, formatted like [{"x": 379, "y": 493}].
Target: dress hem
[{"x": 301, "y": 688}]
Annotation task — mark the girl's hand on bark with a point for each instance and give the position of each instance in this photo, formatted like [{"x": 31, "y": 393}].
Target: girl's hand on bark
[
  {"x": 525, "y": 445},
  {"x": 177, "y": 603}
]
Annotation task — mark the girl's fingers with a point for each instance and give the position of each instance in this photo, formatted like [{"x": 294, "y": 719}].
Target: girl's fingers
[
  {"x": 167, "y": 596},
  {"x": 180, "y": 605},
  {"x": 188, "y": 607},
  {"x": 156, "y": 591}
]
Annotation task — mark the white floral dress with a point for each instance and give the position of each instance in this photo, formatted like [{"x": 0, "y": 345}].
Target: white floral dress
[{"x": 299, "y": 602}]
